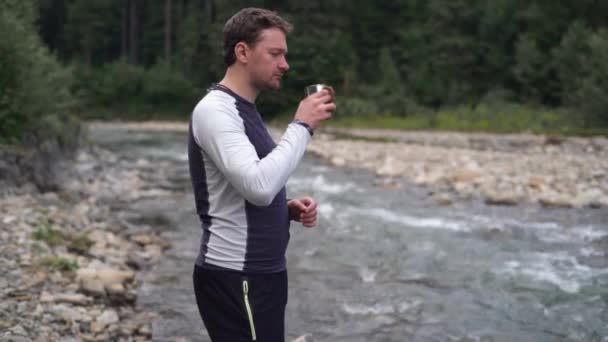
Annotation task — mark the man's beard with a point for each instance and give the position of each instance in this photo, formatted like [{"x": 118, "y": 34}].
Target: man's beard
[{"x": 263, "y": 85}]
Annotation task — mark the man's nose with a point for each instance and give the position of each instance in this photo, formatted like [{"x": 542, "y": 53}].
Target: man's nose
[{"x": 283, "y": 64}]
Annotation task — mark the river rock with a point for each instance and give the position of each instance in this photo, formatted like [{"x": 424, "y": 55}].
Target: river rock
[
  {"x": 93, "y": 286},
  {"x": 116, "y": 289},
  {"x": 142, "y": 239},
  {"x": 73, "y": 298},
  {"x": 18, "y": 330},
  {"x": 145, "y": 330},
  {"x": 108, "y": 317},
  {"x": 591, "y": 197},
  {"x": 304, "y": 338},
  {"x": 106, "y": 276},
  {"x": 553, "y": 200},
  {"x": 465, "y": 175},
  {"x": 504, "y": 198},
  {"x": 443, "y": 199},
  {"x": 67, "y": 313},
  {"x": 154, "y": 251}
]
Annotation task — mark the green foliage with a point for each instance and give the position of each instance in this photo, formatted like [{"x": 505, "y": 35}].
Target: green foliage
[
  {"x": 390, "y": 58},
  {"x": 531, "y": 68},
  {"x": 60, "y": 264},
  {"x": 92, "y": 28},
  {"x": 492, "y": 117},
  {"x": 164, "y": 89},
  {"x": 79, "y": 244},
  {"x": 134, "y": 91},
  {"x": 51, "y": 236},
  {"x": 110, "y": 85},
  {"x": 389, "y": 93},
  {"x": 502, "y": 118},
  {"x": 592, "y": 96},
  {"x": 355, "y": 106},
  {"x": 32, "y": 84}
]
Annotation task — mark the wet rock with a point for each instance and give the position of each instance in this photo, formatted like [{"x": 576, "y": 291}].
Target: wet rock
[
  {"x": 104, "y": 276},
  {"x": 304, "y": 338},
  {"x": 117, "y": 289},
  {"x": 18, "y": 330},
  {"x": 97, "y": 327},
  {"x": 92, "y": 286},
  {"x": 537, "y": 182},
  {"x": 129, "y": 328},
  {"x": 465, "y": 176},
  {"x": 142, "y": 239},
  {"x": 443, "y": 199},
  {"x": 73, "y": 298},
  {"x": 110, "y": 276},
  {"x": 145, "y": 330},
  {"x": 67, "y": 313},
  {"x": 108, "y": 317},
  {"x": 387, "y": 183},
  {"x": 501, "y": 199},
  {"x": 338, "y": 161},
  {"x": 555, "y": 201},
  {"x": 593, "y": 198}
]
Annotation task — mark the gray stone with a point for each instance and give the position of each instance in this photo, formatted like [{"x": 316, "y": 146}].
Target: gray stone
[
  {"x": 92, "y": 286},
  {"x": 108, "y": 317},
  {"x": 304, "y": 338},
  {"x": 18, "y": 330},
  {"x": 72, "y": 298}
]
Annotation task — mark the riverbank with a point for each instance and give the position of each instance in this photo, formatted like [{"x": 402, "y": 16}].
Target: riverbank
[
  {"x": 71, "y": 262},
  {"x": 500, "y": 169},
  {"x": 74, "y": 260}
]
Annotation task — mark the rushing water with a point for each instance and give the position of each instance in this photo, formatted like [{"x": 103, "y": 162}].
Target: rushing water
[{"x": 390, "y": 265}]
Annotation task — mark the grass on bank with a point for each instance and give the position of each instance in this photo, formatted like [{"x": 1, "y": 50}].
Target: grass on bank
[
  {"x": 55, "y": 263},
  {"x": 45, "y": 232},
  {"x": 490, "y": 118}
]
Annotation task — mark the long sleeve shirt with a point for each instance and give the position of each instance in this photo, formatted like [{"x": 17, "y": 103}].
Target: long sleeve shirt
[{"x": 238, "y": 175}]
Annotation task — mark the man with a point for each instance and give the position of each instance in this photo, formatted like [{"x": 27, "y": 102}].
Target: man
[{"x": 239, "y": 175}]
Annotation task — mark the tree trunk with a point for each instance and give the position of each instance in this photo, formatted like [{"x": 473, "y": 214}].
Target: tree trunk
[
  {"x": 134, "y": 31},
  {"x": 88, "y": 57},
  {"x": 209, "y": 9},
  {"x": 124, "y": 33},
  {"x": 168, "y": 16}
]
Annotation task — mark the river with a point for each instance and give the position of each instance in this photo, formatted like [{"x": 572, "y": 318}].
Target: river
[{"x": 389, "y": 264}]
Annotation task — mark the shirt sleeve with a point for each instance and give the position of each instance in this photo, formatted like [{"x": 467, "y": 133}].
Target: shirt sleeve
[{"x": 221, "y": 134}]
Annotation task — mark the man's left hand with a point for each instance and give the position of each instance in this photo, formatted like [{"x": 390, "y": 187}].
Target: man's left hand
[{"x": 303, "y": 210}]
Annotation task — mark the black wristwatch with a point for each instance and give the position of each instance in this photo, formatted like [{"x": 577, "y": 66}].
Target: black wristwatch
[{"x": 305, "y": 125}]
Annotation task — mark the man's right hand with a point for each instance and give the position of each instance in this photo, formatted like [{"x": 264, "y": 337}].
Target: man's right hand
[{"x": 316, "y": 108}]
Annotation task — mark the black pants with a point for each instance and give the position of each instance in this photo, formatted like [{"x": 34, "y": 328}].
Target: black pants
[{"x": 241, "y": 307}]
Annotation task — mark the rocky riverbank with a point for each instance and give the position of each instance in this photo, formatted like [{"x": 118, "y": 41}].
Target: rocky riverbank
[
  {"x": 70, "y": 261},
  {"x": 500, "y": 169}
]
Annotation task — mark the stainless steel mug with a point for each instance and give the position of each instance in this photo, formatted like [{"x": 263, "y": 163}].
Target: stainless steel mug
[{"x": 313, "y": 88}]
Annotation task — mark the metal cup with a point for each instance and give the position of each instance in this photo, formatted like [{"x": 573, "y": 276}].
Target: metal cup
[{"x": 313, "y": 88}]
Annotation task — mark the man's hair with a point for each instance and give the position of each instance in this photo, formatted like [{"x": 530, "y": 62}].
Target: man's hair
[{"x": 246, "y": 26}]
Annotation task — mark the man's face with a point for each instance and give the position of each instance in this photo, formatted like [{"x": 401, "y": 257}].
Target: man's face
[{"x": 267, "y": 62}]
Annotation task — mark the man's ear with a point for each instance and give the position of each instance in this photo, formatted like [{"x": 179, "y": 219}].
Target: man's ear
[{"x": 241, "y": 51}]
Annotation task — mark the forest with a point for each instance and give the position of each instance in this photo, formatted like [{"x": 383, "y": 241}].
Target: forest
[{"x": 502, "y": 65}]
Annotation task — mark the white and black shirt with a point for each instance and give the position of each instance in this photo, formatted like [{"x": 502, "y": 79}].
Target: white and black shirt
[{"x": 239, "y": 175}]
